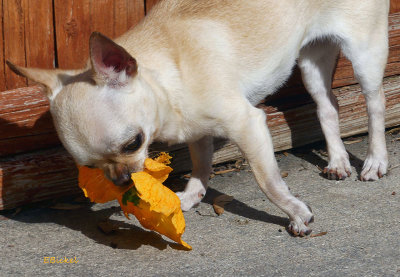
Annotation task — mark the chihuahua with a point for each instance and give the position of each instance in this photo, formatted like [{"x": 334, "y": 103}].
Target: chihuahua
[{"x": 195, "y": 69}]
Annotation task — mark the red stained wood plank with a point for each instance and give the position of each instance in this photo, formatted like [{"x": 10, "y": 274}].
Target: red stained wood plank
[
  {"x": 127, "y": 13},
  {"x": 394, "y": 6},
  {"x": 72, "y": 19},
  {"x": 14, "y": 39},
  {"x": 73, "y": 28},
  {"x": 102, "y": 17},
  {"x": 28, "y": 37},
  {"x": 2, "y": 62},
  {"x": 39, "y": 35},
  {"x": 36, "y": 177},
  {"x": 25, "y": 121}
]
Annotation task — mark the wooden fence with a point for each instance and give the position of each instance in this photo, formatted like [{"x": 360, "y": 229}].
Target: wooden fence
[{"x": 54, "y": 33}]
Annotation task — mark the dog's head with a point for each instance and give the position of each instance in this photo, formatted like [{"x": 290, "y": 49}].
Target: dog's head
[{"x": 103, "y": 114}]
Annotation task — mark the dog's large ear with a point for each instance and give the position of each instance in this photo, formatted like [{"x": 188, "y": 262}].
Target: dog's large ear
[
  {"x": 112, "y": 64},
  {"x": 52, "y": 79}
]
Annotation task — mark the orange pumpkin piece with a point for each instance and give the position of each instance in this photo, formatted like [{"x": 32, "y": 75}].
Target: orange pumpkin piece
[{"x": 155, "y": 206}]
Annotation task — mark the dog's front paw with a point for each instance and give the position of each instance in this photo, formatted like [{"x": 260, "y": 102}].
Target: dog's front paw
[
  {"x": 338, "y": 168},
  {"x": 299, "y": 224},
  {"x": 374, "y": 168},
  {"x": 189, "y": 200}
]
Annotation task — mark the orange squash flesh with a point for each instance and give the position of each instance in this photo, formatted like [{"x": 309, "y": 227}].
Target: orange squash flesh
[{"x": 155, "y": 206}]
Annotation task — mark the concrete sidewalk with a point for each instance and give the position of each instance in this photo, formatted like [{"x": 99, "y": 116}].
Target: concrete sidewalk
[{"x": 362, "y": 221}]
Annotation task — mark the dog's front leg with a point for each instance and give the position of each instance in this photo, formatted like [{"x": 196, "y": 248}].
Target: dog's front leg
[
  {"x": 247, "y": 128},
  {"x": 201, "y": 153}
]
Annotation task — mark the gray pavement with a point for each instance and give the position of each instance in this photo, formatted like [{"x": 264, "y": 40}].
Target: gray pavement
[{"x": 362, "y": 221}]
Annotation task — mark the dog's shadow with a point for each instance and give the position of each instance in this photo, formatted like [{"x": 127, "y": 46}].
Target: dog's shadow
[
  {"x": 85, "y": 220},
  {"x": 307, "y": 153},
  {"x": 241, "y": 209}
]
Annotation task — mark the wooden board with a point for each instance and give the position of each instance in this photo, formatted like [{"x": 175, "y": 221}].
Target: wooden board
[
  {"x": 72, "y": 32},
  {"x": 35, "y": 177},
  {"x": 2, "y": 62},
  {"x": 73, "y": 29},
  {"x": 39, "y": 33},
  {"x": 14, "y": 40},
  {"x": 25, "y": 121},
  {"x": 47, "y": 174},
  {"x": 127, "y": 14},
  {"x": 28, "y": 37},
  {"x": 394, "y": 6}
]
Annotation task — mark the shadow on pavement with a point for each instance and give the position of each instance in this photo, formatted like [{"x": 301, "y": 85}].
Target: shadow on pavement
[
  {"x": 239, "y": 208},
  {"x": 85, "y": 221}
]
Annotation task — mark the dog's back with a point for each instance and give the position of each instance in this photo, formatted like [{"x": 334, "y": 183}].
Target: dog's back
[{"x": 245, "y": 40}]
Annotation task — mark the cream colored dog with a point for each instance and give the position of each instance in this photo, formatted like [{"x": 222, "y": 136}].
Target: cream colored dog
[{"x": 194, "y": 69}]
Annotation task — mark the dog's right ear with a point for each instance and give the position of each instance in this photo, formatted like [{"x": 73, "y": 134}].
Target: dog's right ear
[
  {"x": 112, "y": 64},
  {"x": 51, "y": 79}
]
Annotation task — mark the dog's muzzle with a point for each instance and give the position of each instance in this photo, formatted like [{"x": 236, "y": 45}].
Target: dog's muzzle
[{"x": 123, "y": 180}]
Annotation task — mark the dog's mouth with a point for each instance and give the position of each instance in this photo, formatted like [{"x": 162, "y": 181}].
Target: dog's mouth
[
  {"x": 119, "y": 174},
  {"x": 123, "y": 180}
]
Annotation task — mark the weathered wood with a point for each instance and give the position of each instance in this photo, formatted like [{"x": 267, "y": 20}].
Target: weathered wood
[
  {"x": 35, "y": 177},
  {"x": 111, "y": 17},
  {"x": 25, "y": 121},
  {"x": 14, "y": 40},
  {"x": 2, "y": 75},
  {"x": 127, "y": 13},
  {"x": 72, "y": 32},
  {"x": 39, "y": 33},
  {"x": 28, "y": 37},
  {"x": 47, "y": 174},
  {"x": 394, "y": 6}
]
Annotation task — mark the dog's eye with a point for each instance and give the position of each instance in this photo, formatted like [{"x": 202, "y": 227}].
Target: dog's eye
[{"x": 135, "y": 145}]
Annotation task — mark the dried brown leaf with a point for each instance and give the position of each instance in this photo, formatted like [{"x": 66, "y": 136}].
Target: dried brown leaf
[
  {"x": 220, "y": 201},
  {"x": 218, "y": 210},
  {"x": 225, "y": 171},
  {"x": 284, "y": 174},
  {"x": 352, "y": 141},
  {"x": 318, "y": 235}
]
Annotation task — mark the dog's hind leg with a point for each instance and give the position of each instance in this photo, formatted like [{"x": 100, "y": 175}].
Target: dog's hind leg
[
  {"x": 367, "y": 49},
  {"x": 201, "y": 153},
  {"x": 317, "y": 61}
]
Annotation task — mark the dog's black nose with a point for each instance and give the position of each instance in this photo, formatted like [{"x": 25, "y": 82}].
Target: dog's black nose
[{"x": 123, "y": 180}]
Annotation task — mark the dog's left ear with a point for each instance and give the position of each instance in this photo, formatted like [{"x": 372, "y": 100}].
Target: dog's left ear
[
  {"x": 112, "y": 64},
  {"x": 51, "y": 79}
]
